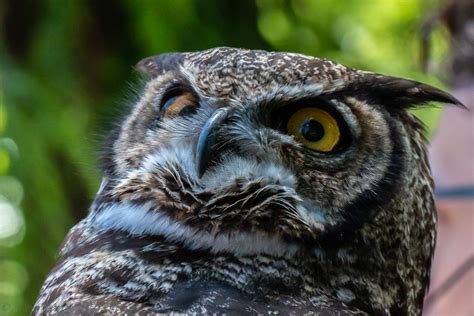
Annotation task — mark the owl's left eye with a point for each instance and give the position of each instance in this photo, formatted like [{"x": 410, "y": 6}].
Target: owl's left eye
[
  {"x": 315, "y": 128},
  {"x": 181, "y": 103}
]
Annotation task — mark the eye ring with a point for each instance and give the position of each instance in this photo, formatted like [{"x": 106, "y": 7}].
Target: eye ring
[{"x": 315, "y": 128}]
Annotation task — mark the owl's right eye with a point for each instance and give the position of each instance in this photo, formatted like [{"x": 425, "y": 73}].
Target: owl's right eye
[
  {"x": 179, "y": 103},
  {"x": 314, "y": 123},
  {"x": 315, "y": 129}
]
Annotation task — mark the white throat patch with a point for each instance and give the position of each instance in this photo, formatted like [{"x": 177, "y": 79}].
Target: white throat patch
[{"x": 142, "y": 219}]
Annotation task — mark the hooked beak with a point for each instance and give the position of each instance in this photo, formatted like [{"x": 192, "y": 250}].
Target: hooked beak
[{"x": 207, "y": 140}]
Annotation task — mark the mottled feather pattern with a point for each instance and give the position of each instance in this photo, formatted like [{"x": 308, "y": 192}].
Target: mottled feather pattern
[
  {"x": 268, "y": 225},
  {"x": 145, "y": 269}
]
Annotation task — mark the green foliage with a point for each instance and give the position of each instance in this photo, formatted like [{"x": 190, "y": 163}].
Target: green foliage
[
  {"x": 379, "y": 36},
  {"x": 64, "y": 73}
]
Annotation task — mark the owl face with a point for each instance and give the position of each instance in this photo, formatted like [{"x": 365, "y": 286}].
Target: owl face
[{"x": 257, "y": 152}]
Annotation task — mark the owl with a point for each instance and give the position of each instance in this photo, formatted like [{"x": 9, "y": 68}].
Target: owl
[{"x": 254, "y": 182}]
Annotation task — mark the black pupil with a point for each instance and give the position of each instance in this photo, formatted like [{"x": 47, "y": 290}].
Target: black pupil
[{"x": 312, "y": 130}]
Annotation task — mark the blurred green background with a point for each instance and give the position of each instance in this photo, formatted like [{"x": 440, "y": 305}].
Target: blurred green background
[{"x": 66, "y": 71}]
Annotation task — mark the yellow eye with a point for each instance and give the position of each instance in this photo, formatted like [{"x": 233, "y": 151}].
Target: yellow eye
[
  {"x": 315, "y": 128},
  {"x": 180, "y": 104}
]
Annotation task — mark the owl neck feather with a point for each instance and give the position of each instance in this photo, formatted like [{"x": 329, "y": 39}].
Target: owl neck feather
[{"x": 142, "y": 220}]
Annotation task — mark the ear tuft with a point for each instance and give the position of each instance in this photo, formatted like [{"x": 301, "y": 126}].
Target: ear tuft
[
  {"x": 159, "y": 64},
  {"x": 421, "y": 93},
  {"x": 398, "y": 92}
]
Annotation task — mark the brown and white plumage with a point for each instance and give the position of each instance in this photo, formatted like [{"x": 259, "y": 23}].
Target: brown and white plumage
[{"x": 211, "y": 206}]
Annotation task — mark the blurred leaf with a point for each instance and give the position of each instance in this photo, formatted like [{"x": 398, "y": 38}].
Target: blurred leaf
[{"x": 4, "y": 161}]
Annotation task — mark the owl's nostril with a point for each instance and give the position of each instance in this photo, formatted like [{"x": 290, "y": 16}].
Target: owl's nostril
[{"x": 207, "y": 140}]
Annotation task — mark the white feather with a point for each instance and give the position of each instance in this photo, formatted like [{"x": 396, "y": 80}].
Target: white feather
[{"x": 142, "y": 219}]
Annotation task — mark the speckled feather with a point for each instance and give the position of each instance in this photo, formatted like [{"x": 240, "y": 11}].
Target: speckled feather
[{"x": 271, "y": 226}]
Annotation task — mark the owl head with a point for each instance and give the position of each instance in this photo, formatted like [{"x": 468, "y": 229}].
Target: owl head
[{"x": 253, "y": 152}]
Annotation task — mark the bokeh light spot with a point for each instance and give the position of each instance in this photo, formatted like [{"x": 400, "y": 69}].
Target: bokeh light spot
[
  {"x": 11, "y": 189},
  {"x": 11, "y": 221}
]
